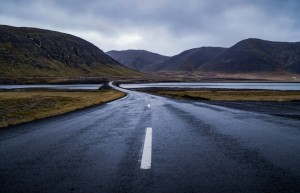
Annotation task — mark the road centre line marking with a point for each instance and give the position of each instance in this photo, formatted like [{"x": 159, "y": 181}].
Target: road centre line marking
[
  {"x": 149, "y": 105},
  {"x": 147, "y": 150}
]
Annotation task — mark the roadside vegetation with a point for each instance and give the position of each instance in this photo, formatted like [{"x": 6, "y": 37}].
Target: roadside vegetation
[
  {"x": 231, "y": 95},
  {"x": 23, "y": 106}
]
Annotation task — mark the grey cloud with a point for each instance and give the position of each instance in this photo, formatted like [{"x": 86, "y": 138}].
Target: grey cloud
[{"x": 164, "y": 26}]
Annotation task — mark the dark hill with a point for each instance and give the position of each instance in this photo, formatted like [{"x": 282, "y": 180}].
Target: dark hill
[
  {"x": 31, "y": 52},
  {"x": 136, "y": 59},
  {"x": 255, "y": 55},
  {"x": 188, "y": 60}
]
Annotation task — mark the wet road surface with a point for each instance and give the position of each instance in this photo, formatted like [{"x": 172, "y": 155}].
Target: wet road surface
[{"x": 189, "y": 147}]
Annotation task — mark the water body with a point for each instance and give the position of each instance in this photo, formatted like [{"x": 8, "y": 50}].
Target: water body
[
  {"x": 59, "y": 87},
  {"x": 262, "y": 86}
]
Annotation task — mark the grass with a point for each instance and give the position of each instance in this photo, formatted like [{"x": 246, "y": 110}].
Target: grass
[
  {"x": 232, "y": 95},
  {"x": 58, "y": 55},
  {"x": 19, "y": 107}
]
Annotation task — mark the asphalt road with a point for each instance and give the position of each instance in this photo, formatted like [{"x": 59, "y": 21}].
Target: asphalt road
[{"x": 189, "y": 147}]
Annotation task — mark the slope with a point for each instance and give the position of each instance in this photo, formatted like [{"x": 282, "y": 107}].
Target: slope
[
  {"x": 255, "y": 55},
  {"x": 32, "y": 52},
  {"x": 136, "y": 59},
  {"x": 188, "y": 60}
]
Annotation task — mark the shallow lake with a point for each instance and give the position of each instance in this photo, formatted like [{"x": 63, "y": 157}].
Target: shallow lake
[
  {"x": 264, "y": 86},
  {"x": 59, "y": 87}
]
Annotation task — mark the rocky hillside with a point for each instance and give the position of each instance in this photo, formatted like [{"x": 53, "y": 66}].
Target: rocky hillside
[
  {"x": 31, "y": 52},
  {"x": 136, "y": 59},
  {"x": 188, "y": 60},
  {"x": 255, "y": 55}
]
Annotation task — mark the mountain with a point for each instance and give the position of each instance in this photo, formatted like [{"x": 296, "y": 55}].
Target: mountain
[
  {"x": 255, "y": 55},
  {"x": 32, "y": 52},
  {"x": 247, "y": 56},
  {"x": 136, "y": 59},
  {"x": 188, "y": 60}
]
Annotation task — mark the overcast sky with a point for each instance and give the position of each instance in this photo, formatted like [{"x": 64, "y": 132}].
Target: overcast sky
[{"x": 163, "y": 26}]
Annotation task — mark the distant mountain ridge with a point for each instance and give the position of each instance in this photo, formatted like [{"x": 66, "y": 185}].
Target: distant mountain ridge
[
  {"x": 256, "y": 55},
  {"x": 247, "y": 56},
  {"x": 32, "y": 52},
  {"x": 136, "y": 59},
  {"x": 188, "y": 60}
]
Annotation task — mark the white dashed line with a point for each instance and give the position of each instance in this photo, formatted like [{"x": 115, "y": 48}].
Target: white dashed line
[{"x": 147, "y": 150}]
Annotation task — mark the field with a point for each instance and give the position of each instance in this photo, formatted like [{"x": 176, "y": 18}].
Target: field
[
  {"x": 18, "y": 107},
  {"x": 231, "y": 95}
]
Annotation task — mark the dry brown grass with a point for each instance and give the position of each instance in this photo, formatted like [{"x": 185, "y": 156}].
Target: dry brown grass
[
  {"x": 18, "y": 107},
  {"x": 232, "y": 95}
]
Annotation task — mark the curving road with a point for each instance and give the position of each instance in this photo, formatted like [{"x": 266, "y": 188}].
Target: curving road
[{"x": 189, "y": 147}]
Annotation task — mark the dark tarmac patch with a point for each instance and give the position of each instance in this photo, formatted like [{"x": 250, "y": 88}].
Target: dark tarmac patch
[
  {"x": 267, "y": 177},
  {"x": 282, "y": 109}
]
